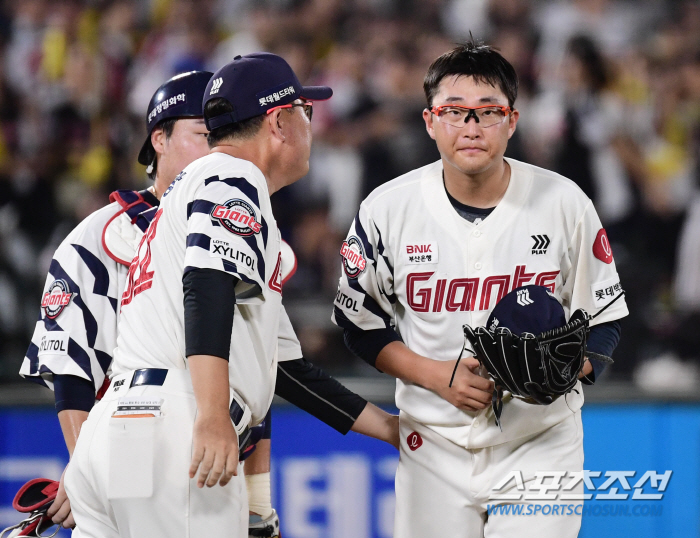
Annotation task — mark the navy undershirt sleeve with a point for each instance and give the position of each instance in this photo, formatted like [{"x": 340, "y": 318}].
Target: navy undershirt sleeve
[
  {"x": 368, "y": 344},
  {"x": 73, "y": 392},
  {"x": 602, "y": 340},
  {"x": 209, "y": 300},
  {"x": 314, "y": 391}
]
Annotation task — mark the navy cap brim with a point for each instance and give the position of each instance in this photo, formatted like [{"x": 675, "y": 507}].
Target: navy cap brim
[{"x": 316, "y": 93}]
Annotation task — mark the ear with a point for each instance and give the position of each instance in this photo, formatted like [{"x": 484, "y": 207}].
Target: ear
[
  {"x": 276, "y": 124},
  {"x": 512, "y": 122},
  {"x": 158, "y": 140},
  {"x": 428, "y": 118}
]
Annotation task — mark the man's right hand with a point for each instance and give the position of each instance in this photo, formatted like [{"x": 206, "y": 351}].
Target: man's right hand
[
  {"x": 469, "y": 391},
  {"x": 214, "y": 450}
]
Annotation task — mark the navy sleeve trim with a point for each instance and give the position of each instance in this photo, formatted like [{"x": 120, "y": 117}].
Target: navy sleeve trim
[
  {"x": 314, "y": 391},
  {"x": 368, "y": 344},
  {"x": 602, "y": 340},
  {"x": 73, "y": 392},
  {"x": 209, "y": 300}
]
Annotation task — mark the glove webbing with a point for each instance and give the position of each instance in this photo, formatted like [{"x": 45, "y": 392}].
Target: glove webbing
[{"x": 497, "y": 396}]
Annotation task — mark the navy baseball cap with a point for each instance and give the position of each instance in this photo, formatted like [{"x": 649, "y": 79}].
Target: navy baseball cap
[
  {"x": 255, "y": 83},
  {"x": 528, "y": 309},
  {"x": 179, "y": 97}
]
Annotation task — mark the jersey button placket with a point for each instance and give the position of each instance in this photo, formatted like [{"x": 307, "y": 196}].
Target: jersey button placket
[{"x": 478, "y": 266}]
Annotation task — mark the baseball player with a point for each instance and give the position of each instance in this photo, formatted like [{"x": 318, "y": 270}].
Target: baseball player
[
  {"x": 92, "y": 264},
  {"x": 436, "y": 249},
  {"x": 73, "y": 341},
  {"x": 198, "y": 342}
]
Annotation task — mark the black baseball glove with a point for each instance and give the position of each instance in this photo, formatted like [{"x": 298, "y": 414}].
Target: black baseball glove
[{"x": 538, "y": 368}]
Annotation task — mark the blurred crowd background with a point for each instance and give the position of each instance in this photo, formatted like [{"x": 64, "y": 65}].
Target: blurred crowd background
[{"x": 609, "y": 96}]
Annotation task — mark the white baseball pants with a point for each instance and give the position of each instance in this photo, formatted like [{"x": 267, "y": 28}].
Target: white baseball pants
[
  {"x": 129, "y": 477},
  {"x": 444, "y": 490}
]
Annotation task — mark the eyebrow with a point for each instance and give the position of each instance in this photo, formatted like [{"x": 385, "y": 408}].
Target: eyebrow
[{"x": 488, "y": 99}]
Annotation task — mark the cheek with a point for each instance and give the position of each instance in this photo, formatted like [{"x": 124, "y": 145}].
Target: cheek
[{"x": 193, "y": 148}]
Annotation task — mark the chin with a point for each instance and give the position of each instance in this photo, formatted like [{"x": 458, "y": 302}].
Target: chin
[{"x": 472, "y": 166}]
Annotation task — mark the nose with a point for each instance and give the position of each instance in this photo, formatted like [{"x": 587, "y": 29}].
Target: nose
[
  {"x": 472, "y": 129},
  {"x": 471, "y": 114}
]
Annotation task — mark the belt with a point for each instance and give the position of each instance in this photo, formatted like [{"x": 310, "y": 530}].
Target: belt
[{"x": 156, "y": 377}]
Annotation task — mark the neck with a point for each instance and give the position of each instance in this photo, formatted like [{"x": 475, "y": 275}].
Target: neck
[
  {"x": 160, "y": 184},
  {"x": 482, "y": 190},
  {"x": 255, "y": 152}
]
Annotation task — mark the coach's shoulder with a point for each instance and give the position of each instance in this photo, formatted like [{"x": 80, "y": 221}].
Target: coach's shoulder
[{"x": 403, "y": 186}]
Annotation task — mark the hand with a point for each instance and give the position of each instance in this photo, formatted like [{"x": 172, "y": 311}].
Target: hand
[
  {"x": 215, "y": 450},
  {"x": 469, "y": 392},
  {"x": 377, "y": 423},
  {"x": 587, "y": 369},
  {"x": 394, "y": 437},
  {"x": 59, "y": 511}
]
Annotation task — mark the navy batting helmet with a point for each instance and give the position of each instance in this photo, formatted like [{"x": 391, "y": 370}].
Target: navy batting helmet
[{"x": 179, "y": 97}]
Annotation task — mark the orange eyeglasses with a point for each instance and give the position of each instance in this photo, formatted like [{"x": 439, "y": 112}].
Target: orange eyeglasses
[{"x": 308, "y": 108}]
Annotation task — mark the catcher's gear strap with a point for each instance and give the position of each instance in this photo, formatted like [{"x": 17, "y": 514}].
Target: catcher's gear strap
[
  {"x": 264, "y": 528},
  {"x": 368, "y": 344},
  {"x": 311, "y": 389},
  {"x": 119, "y": 237},
  {"x": 35, "y": 497},
  {"x": 210, "y": 300},
  {"x": 73, "y": 392}
]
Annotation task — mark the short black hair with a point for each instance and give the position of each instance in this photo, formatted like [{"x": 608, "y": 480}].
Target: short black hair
[
  {"x": 168, "y": 126},
  {"x": 239, "y": 130},
  {"x": 472, "y": 59}
]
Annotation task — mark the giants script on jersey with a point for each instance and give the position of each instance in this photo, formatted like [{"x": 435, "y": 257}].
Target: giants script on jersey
[{"x": 461, "y": 294}]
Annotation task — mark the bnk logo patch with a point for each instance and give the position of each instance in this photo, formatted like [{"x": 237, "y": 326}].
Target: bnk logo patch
[
  {"x": 56, "y": 299},
  {"x": 237, "y": 216},
  {"x": 354, "y": 261}
]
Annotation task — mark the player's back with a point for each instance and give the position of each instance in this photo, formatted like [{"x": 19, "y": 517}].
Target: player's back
[{"x": 215, "y": 215}]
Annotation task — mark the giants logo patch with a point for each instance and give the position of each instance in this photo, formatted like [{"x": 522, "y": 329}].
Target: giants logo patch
[
  {"x": 56, "y": 299},
  {"x": 414, "y": 441},
  {"x": 601, "y": 247},
  {"x": 237, "y": 216},
  {"x": 354, "y": 261}
]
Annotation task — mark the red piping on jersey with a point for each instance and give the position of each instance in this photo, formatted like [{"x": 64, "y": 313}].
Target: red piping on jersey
[{"x": 114, "y": 197}]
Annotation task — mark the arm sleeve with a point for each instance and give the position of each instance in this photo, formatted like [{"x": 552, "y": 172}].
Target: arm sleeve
[
  {"x": 365, "y": 297},
  {"x": 209, "y": 301},
  {"x": 226, "y": 232},
  {"x": 75, "y": 333},
  {"x": 602, "y": 341},
  {"x": 72, "y": 392},
  {"x": 312, "y": 390},
  {"x": 368, "y": 344}
]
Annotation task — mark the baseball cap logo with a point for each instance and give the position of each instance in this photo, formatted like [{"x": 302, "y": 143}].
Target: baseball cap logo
[
  {"x": 216, "y": 85},
  {"x": 414, "y": 441}
]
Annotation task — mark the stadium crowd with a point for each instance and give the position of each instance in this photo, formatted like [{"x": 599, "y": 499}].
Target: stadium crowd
[{"x": 609, "y": 96}]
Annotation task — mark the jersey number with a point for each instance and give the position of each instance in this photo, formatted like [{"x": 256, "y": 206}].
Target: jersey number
[{"x": 140, "y": 278}]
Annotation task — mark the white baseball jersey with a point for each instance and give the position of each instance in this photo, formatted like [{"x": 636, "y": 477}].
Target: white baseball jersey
[
  {"x": 411, "y": 262},
  {"x": 76, "y": 332},
  {"x": 77, "y": 328},
  {"x": 215, "y": 215}
]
